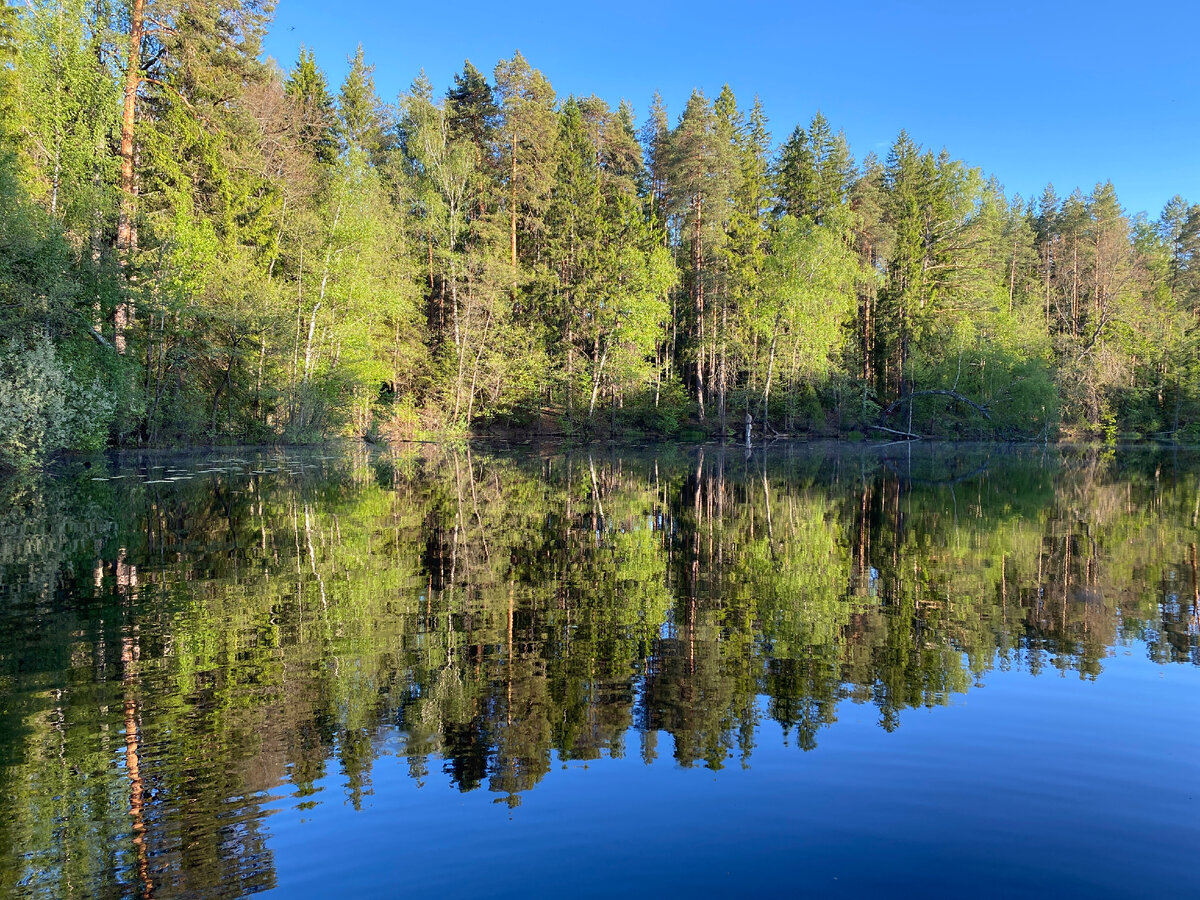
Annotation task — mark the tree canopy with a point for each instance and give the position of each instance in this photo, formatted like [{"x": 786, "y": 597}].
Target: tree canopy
[{"x": 197, "y": 246}]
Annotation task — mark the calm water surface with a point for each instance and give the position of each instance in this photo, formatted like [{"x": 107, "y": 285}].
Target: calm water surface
[{"x": 676, "y": 670}]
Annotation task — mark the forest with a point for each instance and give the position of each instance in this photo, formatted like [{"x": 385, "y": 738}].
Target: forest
[{"x": 199, "y": 246}]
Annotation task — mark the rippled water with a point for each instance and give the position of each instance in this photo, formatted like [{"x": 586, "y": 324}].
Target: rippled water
[{"x": 965, "y": 672}]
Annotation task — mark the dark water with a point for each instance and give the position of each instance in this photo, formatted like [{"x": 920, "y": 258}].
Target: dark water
[{"x": 666, "y": 671}]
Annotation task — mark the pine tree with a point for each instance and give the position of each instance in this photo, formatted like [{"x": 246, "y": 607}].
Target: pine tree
[
  {"x": 1046, "y": 231},
  {"x": 574, "y": 219},
  {"x": 655, "y": 139},
  {"x": 742, "y": 250},
  {"x": 529, "y": 132},
  {"x": 472, "y": 113},
  {"x": 698, "y": 171}
]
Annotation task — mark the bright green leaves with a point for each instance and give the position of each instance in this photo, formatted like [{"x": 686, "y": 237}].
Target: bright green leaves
[
  {"x": 297, "y": 261},
  {"x": 611, "y": 274}
]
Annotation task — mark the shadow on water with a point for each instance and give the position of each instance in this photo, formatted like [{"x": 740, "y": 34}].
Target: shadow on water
[{"x": 184, "y": 639}]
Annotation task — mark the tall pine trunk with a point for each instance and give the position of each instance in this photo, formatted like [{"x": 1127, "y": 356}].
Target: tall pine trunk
[
  {"x": 125, "y": 232},
  {"x": 512, "y": 213},
  {"x": 698, "y": 290}
]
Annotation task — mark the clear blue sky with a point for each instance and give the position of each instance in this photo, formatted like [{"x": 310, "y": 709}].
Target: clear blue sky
[{"x": 1068, "y": 92}]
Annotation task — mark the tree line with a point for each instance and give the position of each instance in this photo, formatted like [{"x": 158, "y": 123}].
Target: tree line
[{"x": 198, "y": 246}]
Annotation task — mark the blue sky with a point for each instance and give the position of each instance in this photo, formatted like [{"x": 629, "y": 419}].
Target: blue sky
[{"x": 1068, "y": 92}]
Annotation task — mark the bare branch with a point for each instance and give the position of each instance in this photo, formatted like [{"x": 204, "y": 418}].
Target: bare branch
[
  {"x": 908, "y": 434},
  {"x": 982, "y": 410}
]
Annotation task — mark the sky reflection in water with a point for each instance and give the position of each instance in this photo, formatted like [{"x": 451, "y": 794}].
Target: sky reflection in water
[{"x": 521, "y": 672}]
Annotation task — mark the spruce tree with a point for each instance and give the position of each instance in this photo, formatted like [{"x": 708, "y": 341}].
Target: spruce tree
[{"x": 308, "y": 89}]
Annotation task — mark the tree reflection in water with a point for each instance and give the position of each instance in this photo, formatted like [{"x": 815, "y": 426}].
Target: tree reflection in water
[{"x": 174, "y": 654}]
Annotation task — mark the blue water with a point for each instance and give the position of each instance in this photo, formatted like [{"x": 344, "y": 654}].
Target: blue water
[
  {"x": 1028, "y": 785},
  {"x": 828, "y": 671}
]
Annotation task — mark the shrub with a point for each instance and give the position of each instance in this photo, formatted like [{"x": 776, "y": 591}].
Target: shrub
[{"x": 43, "y": 408}]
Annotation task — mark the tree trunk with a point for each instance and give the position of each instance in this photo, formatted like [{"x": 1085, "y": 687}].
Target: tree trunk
[
  {"x": 258, "y": 381},
  {"x": 570, "y": 388},
  {"x": 221, "y": 388},
  {"x": 658, "y": 372},
  {"x": 698, "y": 289},
  {"x": 1046, "y": 282},
  {"x": 512, "y": 213},
  {"x": 475, "y": 375},
  {"x": 598, "y": 359},
  {"x": 770, "y": 373},
  {"x": 724, "y": 362},
  {"x": 296, "y": 343},
  {"x": 459, "y": 339},
  {"x": 442, "y": 319},
  {"x": 308, "y": 346},
  {"x": 133, "y": 79}
]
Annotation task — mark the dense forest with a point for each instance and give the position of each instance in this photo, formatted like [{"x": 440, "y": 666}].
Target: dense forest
[{"x": 199, "y": 246}]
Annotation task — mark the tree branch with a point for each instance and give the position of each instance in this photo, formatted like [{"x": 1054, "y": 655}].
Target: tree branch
[
  {"x": 99, "y": 338},
  {"x": 186, "y": 102},
  {"x": 982, "y": 410},
  {"x": 908, "y": 434}
]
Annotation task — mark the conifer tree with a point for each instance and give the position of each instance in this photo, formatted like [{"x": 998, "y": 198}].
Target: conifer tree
[
  {"x": 527, "y": 102},
  {"x": 472, "y": 113},
  {"x": 365, "y": 123},
  {"x": 308, "y": 89},
  {"x": 698, "y": 174}
]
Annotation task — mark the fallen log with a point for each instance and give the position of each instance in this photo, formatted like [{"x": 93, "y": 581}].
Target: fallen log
[{"x": 908, "y": 434}]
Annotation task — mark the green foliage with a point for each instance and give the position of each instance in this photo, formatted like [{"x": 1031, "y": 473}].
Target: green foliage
[
  {"x": 659, "y": 413},
  {"x": 44, "y": 408},
  {"x": 254, "y": 258},
  {"x": 10, "y": 48},
  {"x": 307, "y": 88}
]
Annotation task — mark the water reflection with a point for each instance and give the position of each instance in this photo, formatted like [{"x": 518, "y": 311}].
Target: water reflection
[{"x": 185, "y": 641}]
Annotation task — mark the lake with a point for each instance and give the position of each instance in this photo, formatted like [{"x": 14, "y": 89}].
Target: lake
[{"x": 815, "y": 669}]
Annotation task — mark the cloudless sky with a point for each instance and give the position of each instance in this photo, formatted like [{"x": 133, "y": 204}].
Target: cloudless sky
[{"x": 1072, "y": 93}]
